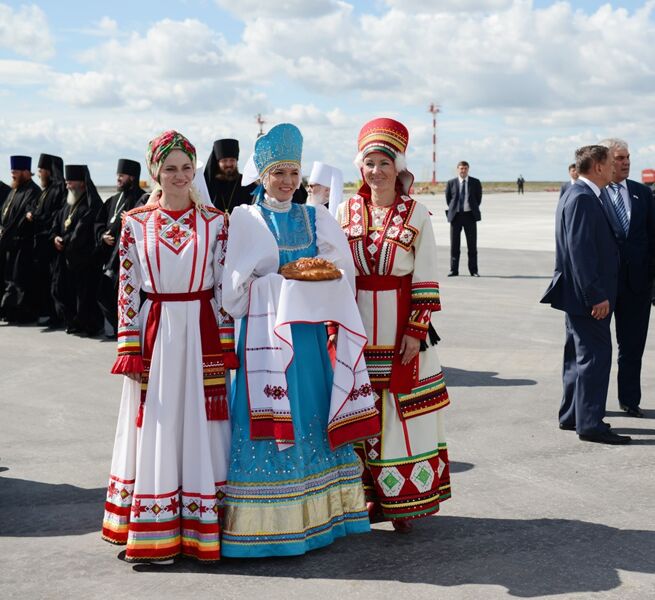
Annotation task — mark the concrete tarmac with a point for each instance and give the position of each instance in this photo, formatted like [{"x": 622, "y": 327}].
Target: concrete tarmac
[{"x": 535, "y": 512}]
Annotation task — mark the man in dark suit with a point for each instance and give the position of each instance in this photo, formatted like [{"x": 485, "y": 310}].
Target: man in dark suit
[
  {"x": 633, "y": 219},
  {"x": 463, "y": 197},
  {"x": 573, "y": 175},
  {"x": 584, "y": 286}
]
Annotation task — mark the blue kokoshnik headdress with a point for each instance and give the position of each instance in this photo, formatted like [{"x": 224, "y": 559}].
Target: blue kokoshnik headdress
[{"x": 282, "y": 145}]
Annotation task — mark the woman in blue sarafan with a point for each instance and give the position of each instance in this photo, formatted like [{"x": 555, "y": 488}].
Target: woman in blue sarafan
[{"x": 293, "y": 482}]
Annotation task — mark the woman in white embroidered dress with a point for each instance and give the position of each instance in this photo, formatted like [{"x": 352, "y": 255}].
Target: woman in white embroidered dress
[
  {"x": 169, "y": 464},
  {"x": 406, "y": 473}
]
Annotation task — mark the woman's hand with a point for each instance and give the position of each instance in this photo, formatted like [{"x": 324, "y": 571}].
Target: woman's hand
[
  {"x": 409, "y": 347},
  {"x": 332, "y": 339},
  {"x": 134, "y": 376}
]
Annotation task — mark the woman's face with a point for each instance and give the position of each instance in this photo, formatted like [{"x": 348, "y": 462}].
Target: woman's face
[
  {"x": 282, "y": 182},
  {"x": 379, "y": 172},
  {"x": 176, "y": 174}
]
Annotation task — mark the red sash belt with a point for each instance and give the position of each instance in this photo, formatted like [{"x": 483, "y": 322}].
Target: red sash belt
[
  {"x": 403, "y": 377},
  {"x": 214, "y": 361}
]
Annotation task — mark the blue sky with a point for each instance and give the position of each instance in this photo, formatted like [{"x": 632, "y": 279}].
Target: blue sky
[{"x": 521, "y": 83}]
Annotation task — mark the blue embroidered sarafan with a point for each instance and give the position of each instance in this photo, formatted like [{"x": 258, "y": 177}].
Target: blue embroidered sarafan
[
  {"x": 282, "y": 144},
  {"x": 294, "y": 230}
]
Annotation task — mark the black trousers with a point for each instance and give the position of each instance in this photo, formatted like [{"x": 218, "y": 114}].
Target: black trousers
[
  {"x": 632, "y": 314},
  {"x": 586, "y": 373},
  {"x": 464, "y": 220}
]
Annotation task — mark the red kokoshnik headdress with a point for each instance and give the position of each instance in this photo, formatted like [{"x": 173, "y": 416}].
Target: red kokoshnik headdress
[{"x": 390, "y": 137}]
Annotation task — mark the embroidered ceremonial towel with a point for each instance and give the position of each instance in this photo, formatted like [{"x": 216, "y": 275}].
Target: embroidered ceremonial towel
[{"x": 275, "y": 304}]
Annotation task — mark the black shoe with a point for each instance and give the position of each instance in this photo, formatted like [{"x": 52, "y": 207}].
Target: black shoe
[
  {"x": 476, "y": 274},
  {"x": 567, "y": 427},
  {"x": 453, "y": 274},
  {"x": 632, "y": 411},
  {"x": 606, "y": 437}
]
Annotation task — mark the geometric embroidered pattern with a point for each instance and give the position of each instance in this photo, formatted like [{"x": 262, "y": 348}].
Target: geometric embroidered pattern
[
  {"x": 173, "y": 233},
  {"x": 422, "y": 476},
  {"x": 391, "y": 481}
]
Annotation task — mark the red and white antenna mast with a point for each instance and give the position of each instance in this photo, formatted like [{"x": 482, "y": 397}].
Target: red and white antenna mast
[{"x": 434, "y": 109}]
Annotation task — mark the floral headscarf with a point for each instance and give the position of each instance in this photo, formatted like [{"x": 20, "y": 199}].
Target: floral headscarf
[{"x": 160, "y": 147}]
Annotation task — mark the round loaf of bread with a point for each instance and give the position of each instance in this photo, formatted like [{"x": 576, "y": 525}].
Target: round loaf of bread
[{"x": 310, "y": 269}]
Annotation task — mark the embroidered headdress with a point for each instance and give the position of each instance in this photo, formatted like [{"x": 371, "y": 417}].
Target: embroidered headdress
[
  {"x": 281, "y": 145},
  {"x": 160, "y": 147},
  {"x": 390, "y": 137}
]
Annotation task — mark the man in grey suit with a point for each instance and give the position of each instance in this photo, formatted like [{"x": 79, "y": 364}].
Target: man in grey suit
[
  {"x": 633, "y": 220},
  {"x": 584, "y": 287},
  {"x": 463, "y": 197},
  {"x": 573, "y": 176}
]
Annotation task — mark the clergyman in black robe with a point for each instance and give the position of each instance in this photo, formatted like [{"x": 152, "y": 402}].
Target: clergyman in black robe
[
  {"x": 108, "y": 233},
  {"x": 51, "y": 200},
  {"x": 76, "y": 270},
  {"x": 4, "y": 192},
  {"x": 17, "y": 304},
  {"x": 223, "y": 178}
]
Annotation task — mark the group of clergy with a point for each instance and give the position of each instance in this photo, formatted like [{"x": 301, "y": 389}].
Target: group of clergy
[{"x": 59, "y": 263}]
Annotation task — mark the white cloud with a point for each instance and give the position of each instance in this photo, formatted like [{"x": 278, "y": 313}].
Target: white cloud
[
  {"x": 23, "y": 72},
  {"x": 444, "y": 6},
  {"x": 282, "y": 9},
  {"x": 519, "y": 86},
  {"x": 173, "y": 65},
  {"x": 86, "y": 89},
  {"x": 25, "y": 31},
  {"x": 107, "y": 26}
]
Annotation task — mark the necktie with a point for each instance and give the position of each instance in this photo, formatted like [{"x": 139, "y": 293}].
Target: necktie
[
  {"x": 619, "y": 206},
  {"x": 462, "y": 196}
]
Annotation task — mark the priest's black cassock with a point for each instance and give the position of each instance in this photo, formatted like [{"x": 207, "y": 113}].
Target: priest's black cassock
[
  {"x": 50, "y": 202},
  {"x": 16, "y": 247},
  {"x": 4, "y": 192},
  {"x": 76, "y": 270},
  {"x": 109, "y": 222},
  {"x": 225, "y": 193}
]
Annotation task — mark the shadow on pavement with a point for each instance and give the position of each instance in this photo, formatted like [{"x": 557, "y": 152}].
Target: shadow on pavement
[
  {"x": 648, "y": 414},
  {"x": 36, "y": 509},
  {"x": 528, "y": 557},
  {"x": 531, "y": 557},
  {"x": 460, "y": 467},
  {"x": 517, "y": 276},
  {"x": 463, "y": 378}
]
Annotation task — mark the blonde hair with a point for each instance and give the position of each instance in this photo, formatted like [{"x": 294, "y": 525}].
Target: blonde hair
[{"x": 194, "y": 194}]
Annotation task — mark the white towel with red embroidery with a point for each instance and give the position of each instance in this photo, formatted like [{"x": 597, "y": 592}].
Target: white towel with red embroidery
[{"x": 275, "y": 304}]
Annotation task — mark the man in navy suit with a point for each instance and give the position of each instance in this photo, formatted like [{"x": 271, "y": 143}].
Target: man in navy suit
[
  {"x": 584, "y": 286},
  {"x": 573, "y": 176},
  {"x": 463, "y": 197},
  {"x": 633, "y": 219}
]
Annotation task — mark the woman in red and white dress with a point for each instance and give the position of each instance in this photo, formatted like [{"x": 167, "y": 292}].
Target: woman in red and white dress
[
  {"x": 406, "y": 474},
  {"x": 170, "y": 457}
]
